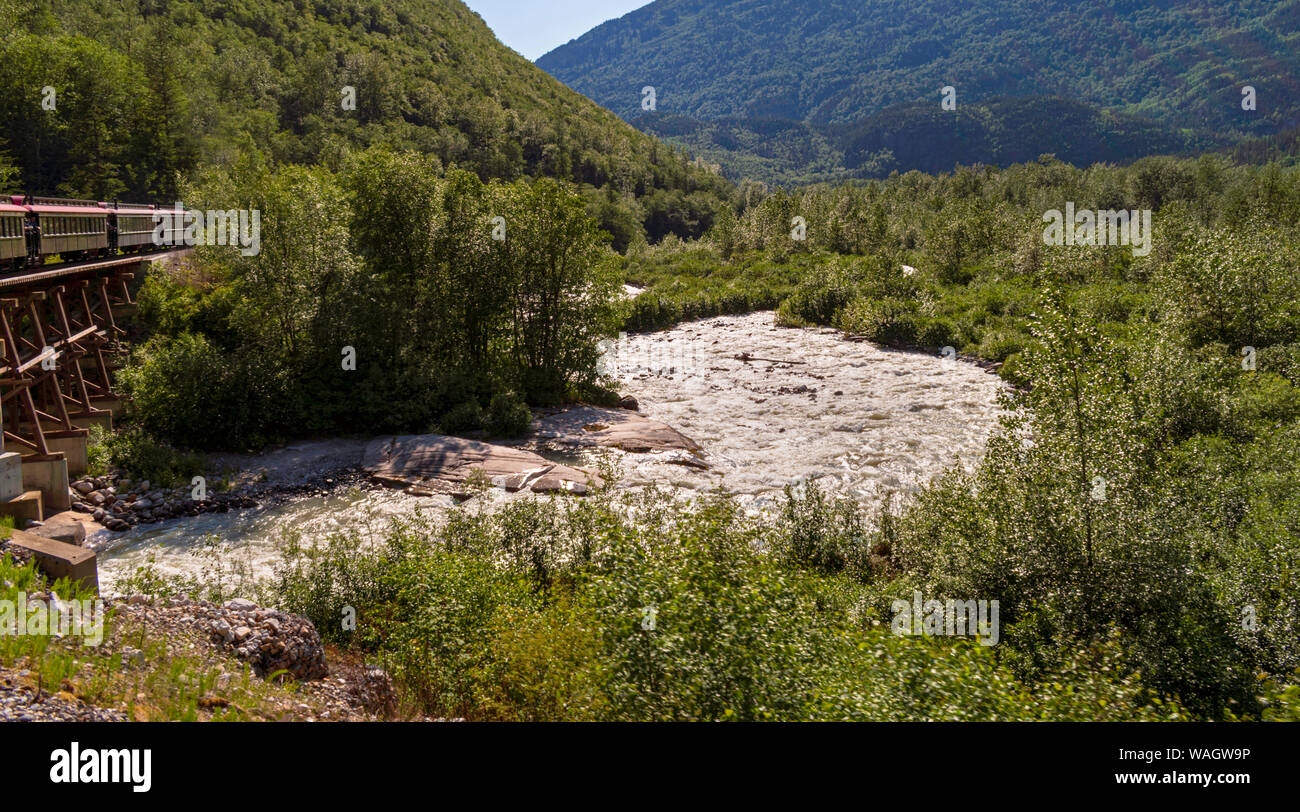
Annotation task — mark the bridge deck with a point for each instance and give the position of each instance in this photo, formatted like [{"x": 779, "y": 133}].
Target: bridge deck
[{"x": 72, "y": 269}]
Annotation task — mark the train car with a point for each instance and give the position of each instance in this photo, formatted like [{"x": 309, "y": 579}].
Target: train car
[
  {"x": 131, "y": 227},
  {"x": 36, "y": 229},
  {"x": 14, "y": 247},
  {"x": 72, "y": 229}
]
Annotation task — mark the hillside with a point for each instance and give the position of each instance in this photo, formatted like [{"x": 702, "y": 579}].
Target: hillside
[
  {"x": 225, "y": 81},
  {"x": 1142, "y": 77}
]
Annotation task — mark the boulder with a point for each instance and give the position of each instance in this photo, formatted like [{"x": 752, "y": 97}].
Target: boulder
[
  {"x": 437, "y": 463},
  {"x": 588, "y": 426},
  {"x": 68, "y": 531}
]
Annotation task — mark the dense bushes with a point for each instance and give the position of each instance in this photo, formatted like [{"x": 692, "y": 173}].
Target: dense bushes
[
  {"x": 638, "y": 608},
  {"x": 1128, "y": 510},
  {"x": 338, "y": 324},
  {"x": 195, "y": 394}
]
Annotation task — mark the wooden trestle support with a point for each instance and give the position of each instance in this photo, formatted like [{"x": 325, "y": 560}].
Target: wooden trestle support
[{"x": 59, "y": 339}]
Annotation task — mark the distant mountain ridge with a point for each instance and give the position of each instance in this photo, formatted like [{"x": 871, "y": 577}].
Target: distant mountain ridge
[{"x": 1138, "y": 76}]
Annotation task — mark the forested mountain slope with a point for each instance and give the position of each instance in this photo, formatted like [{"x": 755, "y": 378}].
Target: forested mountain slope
[{"x": 1170, "y": 72}]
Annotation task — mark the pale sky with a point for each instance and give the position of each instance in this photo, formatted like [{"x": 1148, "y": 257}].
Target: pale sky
[{"x": 533, "y": 27}]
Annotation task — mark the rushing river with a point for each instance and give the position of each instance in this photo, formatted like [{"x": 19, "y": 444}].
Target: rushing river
[{"x": 770, "y": 407}]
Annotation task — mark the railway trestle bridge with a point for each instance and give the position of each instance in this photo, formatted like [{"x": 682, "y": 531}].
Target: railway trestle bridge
[{"x": 60, "y": 341}]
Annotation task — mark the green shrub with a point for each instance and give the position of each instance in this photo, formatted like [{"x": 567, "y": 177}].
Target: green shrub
[
  {"x": 1012, "y": 371},
  {"x": 813, "y": 305},
  {"x": 998, "y": 345},
  {"x": 192, "y": 394},
  {"x": 888, "y": 321},
  {"x": 937, "y": 333},
  {"x": 468, "y": 416},
  {"x": 143, "y": 456},
  {"x": 507, "y": 416},
  {"x": 823, "y": 534}
]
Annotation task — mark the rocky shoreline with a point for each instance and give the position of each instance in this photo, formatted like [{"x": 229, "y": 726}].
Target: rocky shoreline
[
  {"x": 423, "y": 465},
  {"x": 119, "y": 504}
]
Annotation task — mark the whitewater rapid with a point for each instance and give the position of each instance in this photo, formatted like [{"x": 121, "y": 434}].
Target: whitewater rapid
[{"x": 769, "y": 406}]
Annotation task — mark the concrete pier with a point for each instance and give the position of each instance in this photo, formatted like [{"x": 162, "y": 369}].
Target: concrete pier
[{"x": 50, "y": 477}]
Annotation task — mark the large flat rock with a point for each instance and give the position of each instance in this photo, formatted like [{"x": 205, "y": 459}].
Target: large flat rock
[
  {"x": 592, "y": 426},
  {"x": 439, "y": 464}
]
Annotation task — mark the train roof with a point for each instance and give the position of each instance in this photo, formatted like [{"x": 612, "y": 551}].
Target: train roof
[
  {"x": 52, "y": 210},
  {"x": 54, "y": 205},
  {"x": 68, "y": 210},
  {"x": 36, "y": 200}
]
